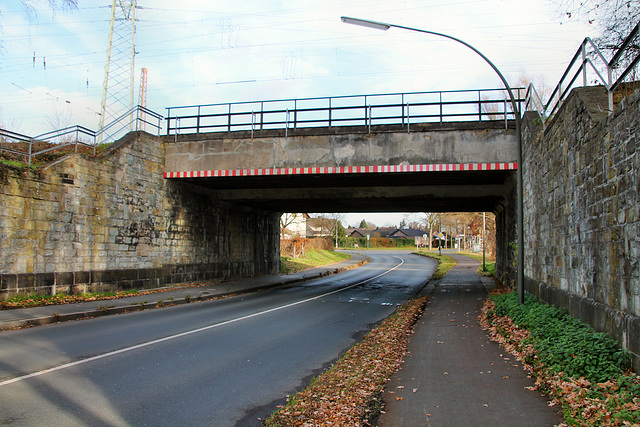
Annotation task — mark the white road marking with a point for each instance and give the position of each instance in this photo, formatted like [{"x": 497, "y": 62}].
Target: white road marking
[{"x": 186, "y": 333}]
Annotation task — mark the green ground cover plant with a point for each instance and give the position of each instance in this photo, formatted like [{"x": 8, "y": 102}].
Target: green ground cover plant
[
  {"x": 585, "y": 372},
  {"x": 15, "y": 164}
]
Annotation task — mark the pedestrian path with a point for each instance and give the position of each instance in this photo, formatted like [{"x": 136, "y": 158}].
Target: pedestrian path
[
  {"x": 456, "y": 376},
  {"x": 18, "y": 318}
]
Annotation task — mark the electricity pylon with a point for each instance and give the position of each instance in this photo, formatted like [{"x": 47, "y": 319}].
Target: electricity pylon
[
  {"x": 117, "y": 94},
  {"x": 142, "y": 97}
]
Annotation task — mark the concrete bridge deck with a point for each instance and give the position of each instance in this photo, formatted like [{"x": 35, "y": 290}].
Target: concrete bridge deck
[{"x": 464, "y": 166}]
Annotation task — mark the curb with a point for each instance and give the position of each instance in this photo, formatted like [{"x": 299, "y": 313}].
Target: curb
[{"x": 204, "y": 296}]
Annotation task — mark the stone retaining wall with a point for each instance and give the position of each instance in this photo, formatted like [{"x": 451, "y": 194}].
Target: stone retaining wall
[
  {"x": 114, "y": 222},
  {"x": 582, "y": 212}
]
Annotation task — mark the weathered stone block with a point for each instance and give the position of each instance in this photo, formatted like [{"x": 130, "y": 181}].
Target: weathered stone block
[
  {"x": 64, "y": 278},
  {"x": 45, "y": 280}
]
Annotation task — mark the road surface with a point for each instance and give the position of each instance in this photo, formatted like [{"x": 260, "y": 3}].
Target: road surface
[{"x": 218, "y": 363}]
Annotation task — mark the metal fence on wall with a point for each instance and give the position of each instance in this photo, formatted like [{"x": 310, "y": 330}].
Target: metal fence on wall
[
  {"x": 589, "y": 66},
  {"x": 79, "y": 137}
]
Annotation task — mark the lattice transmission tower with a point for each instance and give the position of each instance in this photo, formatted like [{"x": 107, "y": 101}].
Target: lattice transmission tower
[
  {"x": 142, "y": 97},
  {"x": 117, "y": 94}
]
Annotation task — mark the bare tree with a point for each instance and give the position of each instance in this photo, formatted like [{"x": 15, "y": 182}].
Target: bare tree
[
  {"x": 430, "y": 220},
  {"x": 614, "y": 18},
  {"x": 30, "y": 5},
  {"x": 286, "y": 219},
  {"x": 331, "y": 224},
  {"x": 60, "y": 118},
  {"x": 412, "y": 221},
  {"x": 493, "y": 110}
]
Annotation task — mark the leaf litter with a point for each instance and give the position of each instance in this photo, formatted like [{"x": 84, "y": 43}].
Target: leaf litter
[
  {"x": 614, "y": 402},
  {"x": 348, "y": 394}
]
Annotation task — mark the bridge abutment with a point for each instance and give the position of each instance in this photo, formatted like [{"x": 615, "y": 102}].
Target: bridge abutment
[
  {"x": 582, "y": 213},
  {"x": 114, "y": 223}
]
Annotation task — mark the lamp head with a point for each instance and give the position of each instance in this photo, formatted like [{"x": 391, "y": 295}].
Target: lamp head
[{"x": 366, "y": 23}]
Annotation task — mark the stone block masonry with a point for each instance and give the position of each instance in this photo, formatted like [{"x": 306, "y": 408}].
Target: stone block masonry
[
  {"x": 582, "y": 218},
  {"x": 113, "y": 222}
]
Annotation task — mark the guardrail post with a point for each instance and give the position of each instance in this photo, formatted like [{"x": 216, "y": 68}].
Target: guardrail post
[
  {"x": 480, "y": 107},
  {"x": 584, "y": 63},
  {"x": 408, "y": 118},
  {"x": 168, "y": 121},
  {"x": 229, "y": 120},
  {"x": 365, "y": 111},
  {"x": 609, "y": 88},
  {"x": 330, "y": 111},
  {"x": 369, "y": 119},
  {"x": 261, "y": 115},
  {"x": 198, "y": 121},
  {"x": 440, "y": 107},
  {"x": 30, "y": 150},
  {"x": 286, "y": 125},
  {"x": 295, "y": 113},
  {"x": 506, "y": 125}
]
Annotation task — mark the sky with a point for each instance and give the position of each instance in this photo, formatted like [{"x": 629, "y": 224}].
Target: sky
[{"x": 52, "y": 62}]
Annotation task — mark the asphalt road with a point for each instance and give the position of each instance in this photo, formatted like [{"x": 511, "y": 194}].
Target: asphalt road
[{"x": 218, "y": 363}]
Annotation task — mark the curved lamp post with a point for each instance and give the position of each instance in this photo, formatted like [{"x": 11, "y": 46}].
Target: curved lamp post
[{"x": 514, "y": 105}]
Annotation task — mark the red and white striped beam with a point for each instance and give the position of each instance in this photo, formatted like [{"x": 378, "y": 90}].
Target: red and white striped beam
[{"x": 446, "y": 167}]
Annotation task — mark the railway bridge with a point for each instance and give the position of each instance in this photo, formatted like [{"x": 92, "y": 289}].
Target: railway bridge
[{"x": 203, "y": 201}]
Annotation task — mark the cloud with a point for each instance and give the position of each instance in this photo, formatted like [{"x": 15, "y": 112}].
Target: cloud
[{"x": 230, "y": 51}]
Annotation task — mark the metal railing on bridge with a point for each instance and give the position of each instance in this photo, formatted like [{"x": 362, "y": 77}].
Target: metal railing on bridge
[
  {"x": 590, "y": 63},
  {"x": 402, "y": 109},
  {"x": 78, "y": 137}
]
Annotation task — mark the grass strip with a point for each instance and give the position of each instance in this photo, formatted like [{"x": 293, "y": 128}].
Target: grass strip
[
  {"x": 348, "y": 393},
  {"x": 445, "y": 263},
  {"x": 490, "y": 264},
  {"x": 43, "y": 300},
  {"x": 315, "y": 258},
  {"x": 584, "y": 372}
]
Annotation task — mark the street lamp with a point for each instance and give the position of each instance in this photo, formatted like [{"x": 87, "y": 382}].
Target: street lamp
[{"x": 520, "y": 214}]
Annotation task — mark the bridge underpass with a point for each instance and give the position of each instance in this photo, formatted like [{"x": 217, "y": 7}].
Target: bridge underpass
[
  {"x": 429, "y": 188},
  {"x": 457, "y": 167},
  {"x": 426, "y": 152}
]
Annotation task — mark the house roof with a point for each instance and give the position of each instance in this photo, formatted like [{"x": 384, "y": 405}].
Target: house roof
[
  {"x": 378, "y": 232},
  {"x": 409, "y": 232},
  {"x": 358, "y": 232}
]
